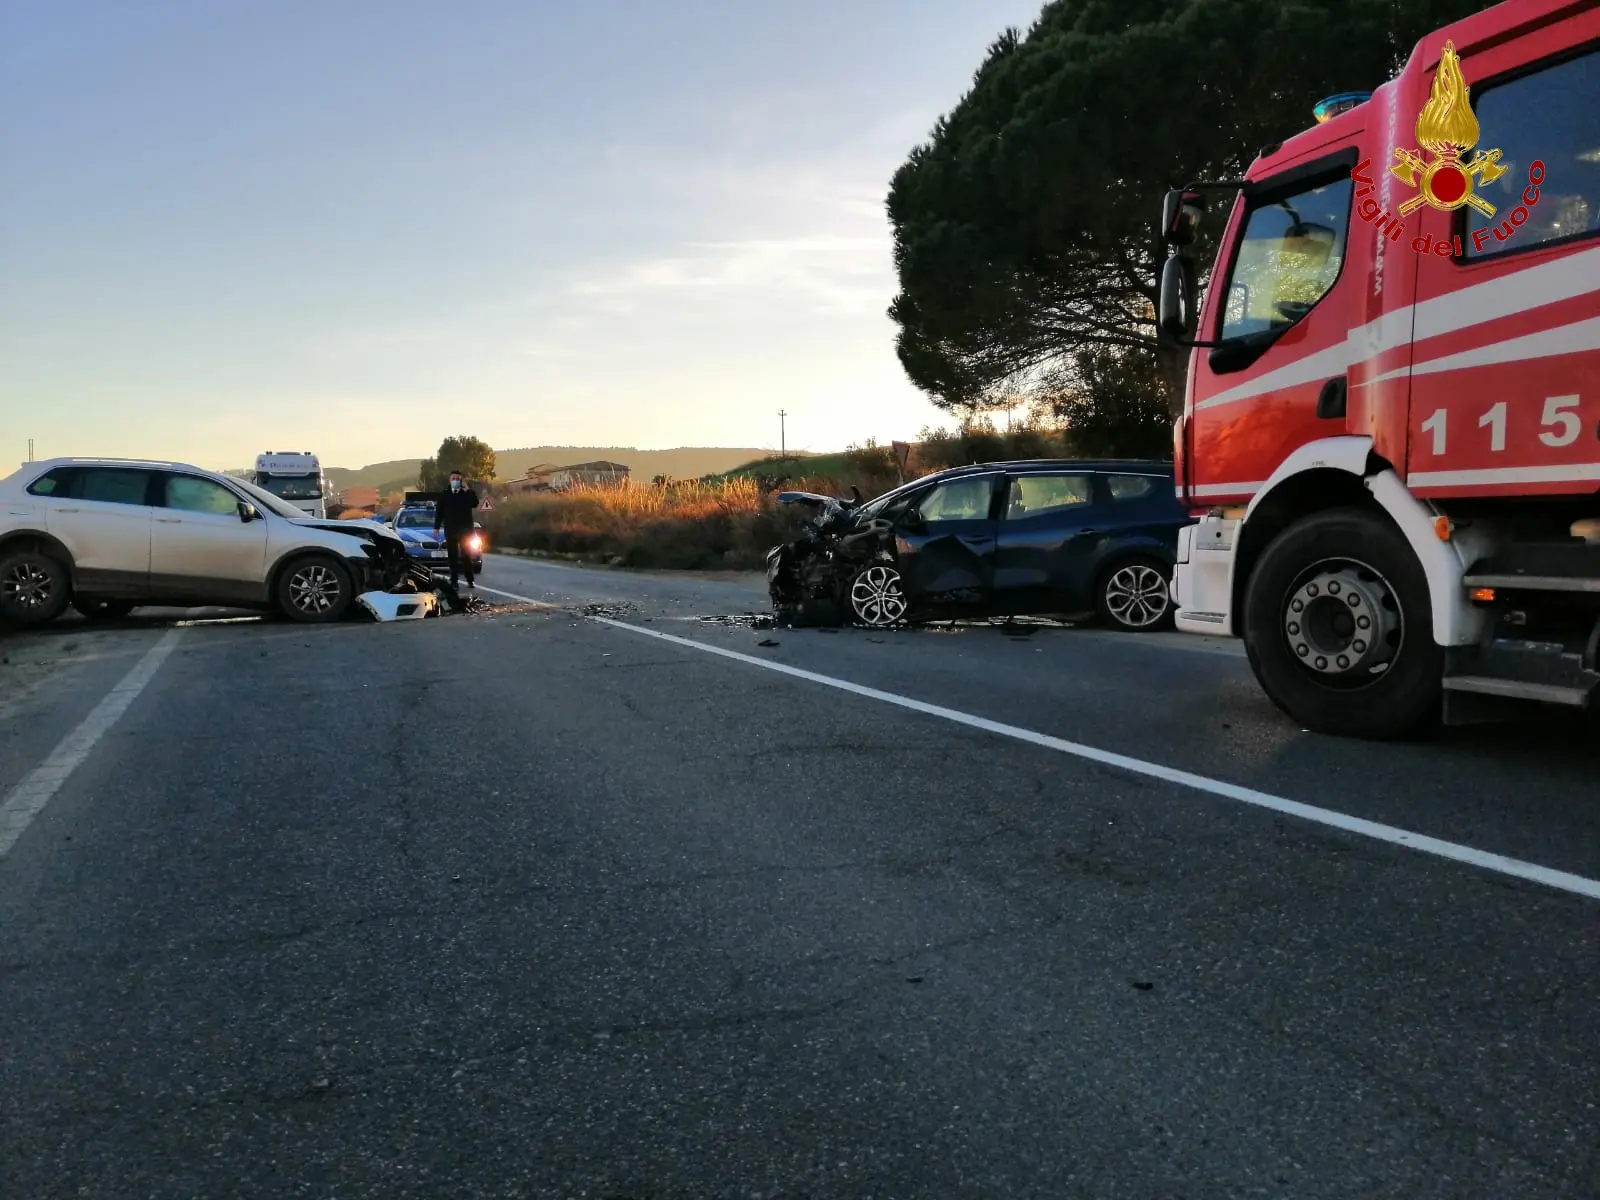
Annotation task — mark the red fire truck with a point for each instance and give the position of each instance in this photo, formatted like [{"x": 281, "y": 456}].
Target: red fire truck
[{"x": 1391, "y": 427}]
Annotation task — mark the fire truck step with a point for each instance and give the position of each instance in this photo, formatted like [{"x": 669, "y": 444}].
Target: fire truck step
[
  {"x": 1517, "y": 689},
  {"x": 1533, "y": 583},
  {"x": 1549, "y": 671},
  {"x": 1572, "y": 566}
]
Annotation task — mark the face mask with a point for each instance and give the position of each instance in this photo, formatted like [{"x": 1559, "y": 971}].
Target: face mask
[{"x": 455, "y": 485}]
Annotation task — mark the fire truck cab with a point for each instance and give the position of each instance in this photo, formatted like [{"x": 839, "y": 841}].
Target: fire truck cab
[{"x": 1391, "y": 426}]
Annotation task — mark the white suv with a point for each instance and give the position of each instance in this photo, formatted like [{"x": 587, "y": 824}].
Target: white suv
[{"x": 105, "y": 535}]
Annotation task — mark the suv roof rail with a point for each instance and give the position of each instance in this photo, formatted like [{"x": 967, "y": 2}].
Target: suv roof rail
[{"x": 85, "y": 460}]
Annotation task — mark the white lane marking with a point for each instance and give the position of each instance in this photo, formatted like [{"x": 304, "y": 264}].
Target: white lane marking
[
  {"x": 30, "y": 796},
  {"x": 1562, "y": 880},
  {"x": 1533, "y": 872},
  {"x": 523, "y": 599},
  {"x": 1189, "y": 642}
]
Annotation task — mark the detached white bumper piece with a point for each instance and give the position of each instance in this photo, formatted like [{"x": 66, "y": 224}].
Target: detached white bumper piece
[{"x": 400, "y": 606}]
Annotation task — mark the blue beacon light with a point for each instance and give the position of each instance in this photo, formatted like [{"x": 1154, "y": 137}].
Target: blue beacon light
[{"x": 1327, "y": 109}]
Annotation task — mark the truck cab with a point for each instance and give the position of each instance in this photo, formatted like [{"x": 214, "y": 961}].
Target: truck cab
[
  {"x": 294, "y": 477},
  {"x": 1391, "y": 423}
]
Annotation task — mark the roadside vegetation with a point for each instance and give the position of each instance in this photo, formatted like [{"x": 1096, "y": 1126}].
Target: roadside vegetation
[
  {"x": 722, "y": 524},
  {"x": 729, "y": 522}
]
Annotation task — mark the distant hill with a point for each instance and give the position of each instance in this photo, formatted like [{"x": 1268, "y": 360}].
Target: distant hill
[
  {"x": 683, "y": 462},
  {"x": 818, "y": 466}
]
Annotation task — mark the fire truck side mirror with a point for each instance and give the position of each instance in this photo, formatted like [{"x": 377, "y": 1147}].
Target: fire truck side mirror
[
  {"x": 1180, "y": 216},
  {"x": 1173, "y": 317}
]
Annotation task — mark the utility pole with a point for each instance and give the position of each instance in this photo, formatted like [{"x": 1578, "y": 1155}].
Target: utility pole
[
  {"x": 30, "y": 449},
  {"x": 783, "y": 437}
]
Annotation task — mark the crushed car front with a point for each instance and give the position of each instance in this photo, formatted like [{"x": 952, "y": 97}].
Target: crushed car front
[
  {"x": 808, "y": 575},
  {"x": 374, "y": 553}
]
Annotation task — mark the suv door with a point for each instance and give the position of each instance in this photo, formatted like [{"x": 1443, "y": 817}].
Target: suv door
[
  {"x": 945, "y": 546},
  {"x": 102, "y": 516},
  {"x": 1051, "y": 524},
  {"x": 201, "y": 550}
]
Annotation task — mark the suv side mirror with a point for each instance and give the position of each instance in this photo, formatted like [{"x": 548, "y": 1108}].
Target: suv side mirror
[{"x": 248, "y": 512}]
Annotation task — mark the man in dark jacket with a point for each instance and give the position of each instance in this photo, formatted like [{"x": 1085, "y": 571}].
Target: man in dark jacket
[{"x": 452, "y": 512}]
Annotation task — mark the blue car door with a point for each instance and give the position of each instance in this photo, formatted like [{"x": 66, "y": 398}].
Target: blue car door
[
  {"x": 945, "y": 546},
  {"x": 1050, "y": 527}
]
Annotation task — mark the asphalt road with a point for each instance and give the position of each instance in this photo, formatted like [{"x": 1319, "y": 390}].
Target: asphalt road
[{"x": 539, "y": 904}]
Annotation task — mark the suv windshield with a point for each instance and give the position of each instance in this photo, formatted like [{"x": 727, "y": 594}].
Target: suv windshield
[
  {"x": 265, "y": 499},
  {"x": 873, "y": 508},
  {"x": 415, "y": 518}
]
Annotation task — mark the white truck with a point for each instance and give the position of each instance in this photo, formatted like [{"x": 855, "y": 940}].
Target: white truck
[{"x": 295, "y": 477}]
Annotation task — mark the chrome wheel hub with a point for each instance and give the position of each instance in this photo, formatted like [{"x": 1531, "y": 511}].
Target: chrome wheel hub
[
  {"x": 314, "y": 589},
  {"x": 1137, "y": 595},
  {"x": 26, "y": 586},
  {"x": 1343, "y": 620},
  {"x": 876, "y": 597}
]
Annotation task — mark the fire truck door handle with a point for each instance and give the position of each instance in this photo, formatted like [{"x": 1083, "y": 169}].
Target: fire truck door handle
[{"x": 1331, "y": 399}]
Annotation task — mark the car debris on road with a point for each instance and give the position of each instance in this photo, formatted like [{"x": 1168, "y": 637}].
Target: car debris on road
[{"x": 419, "y": 595}]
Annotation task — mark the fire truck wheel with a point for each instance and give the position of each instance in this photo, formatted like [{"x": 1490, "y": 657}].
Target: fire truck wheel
[{"x": 1338, "y": 627}]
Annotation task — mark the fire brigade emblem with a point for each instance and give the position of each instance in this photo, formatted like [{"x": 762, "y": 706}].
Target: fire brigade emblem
[{"x": 1447, "y": 129}]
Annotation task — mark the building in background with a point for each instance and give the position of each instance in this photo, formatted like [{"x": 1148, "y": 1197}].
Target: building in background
[{"x": 549, "y": 477}]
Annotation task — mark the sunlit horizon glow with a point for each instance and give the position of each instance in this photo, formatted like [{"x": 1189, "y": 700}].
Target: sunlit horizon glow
[{"x": 361, "y": 228}]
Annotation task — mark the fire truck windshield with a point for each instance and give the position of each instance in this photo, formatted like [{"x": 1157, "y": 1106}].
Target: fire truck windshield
[
  {"x": 291, "y": 487},
  {"x": 1287, "y": 259}
]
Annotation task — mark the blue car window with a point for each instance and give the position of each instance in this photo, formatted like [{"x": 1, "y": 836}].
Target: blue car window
[
  {"x": 1032, "y": 495},
  {"x": 958, "y": 500},
  {"x": 1131, "y": 487}
]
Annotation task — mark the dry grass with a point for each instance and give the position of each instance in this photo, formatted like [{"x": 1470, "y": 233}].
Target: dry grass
[
  {"x": 692, "y": 525},
  {"x": 728, "y": 522}
]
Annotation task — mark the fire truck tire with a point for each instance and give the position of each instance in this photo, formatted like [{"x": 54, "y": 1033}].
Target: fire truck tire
[{"x": 1338, "y": 627}]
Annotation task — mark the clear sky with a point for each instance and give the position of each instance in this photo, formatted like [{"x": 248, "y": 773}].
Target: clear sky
[{"x": 358, "y": 226}]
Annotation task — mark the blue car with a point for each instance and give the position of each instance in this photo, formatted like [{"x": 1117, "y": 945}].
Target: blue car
[
  {"x": 414, "y": 524},
  {"x": 1045, "y": 537}
]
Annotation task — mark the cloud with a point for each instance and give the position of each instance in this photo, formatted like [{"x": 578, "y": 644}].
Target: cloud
[
  {"x": 829, "y": 274},
  {"x": 760, "y": 235}
]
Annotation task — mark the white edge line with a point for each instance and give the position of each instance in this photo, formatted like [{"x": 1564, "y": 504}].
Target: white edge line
[
  {"x": 29, "y": 797},
  {"x": 1562, "y": 880}
]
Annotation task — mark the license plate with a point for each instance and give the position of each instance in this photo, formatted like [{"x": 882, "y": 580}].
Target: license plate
[{"x": 439, "y": 554}]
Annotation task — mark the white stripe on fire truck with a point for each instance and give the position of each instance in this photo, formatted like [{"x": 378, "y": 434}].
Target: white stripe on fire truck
[
  {"x": 1564, "y": 473},
  {"x": 1563, "y": 339},
  {"x": 1504, "y": 296},
  {"x": 1227, "y": 489}
]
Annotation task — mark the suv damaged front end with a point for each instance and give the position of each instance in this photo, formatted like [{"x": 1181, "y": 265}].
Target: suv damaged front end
[
  {"x": 830, "y": 572},
  {"x": 379, "y": 563}
]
